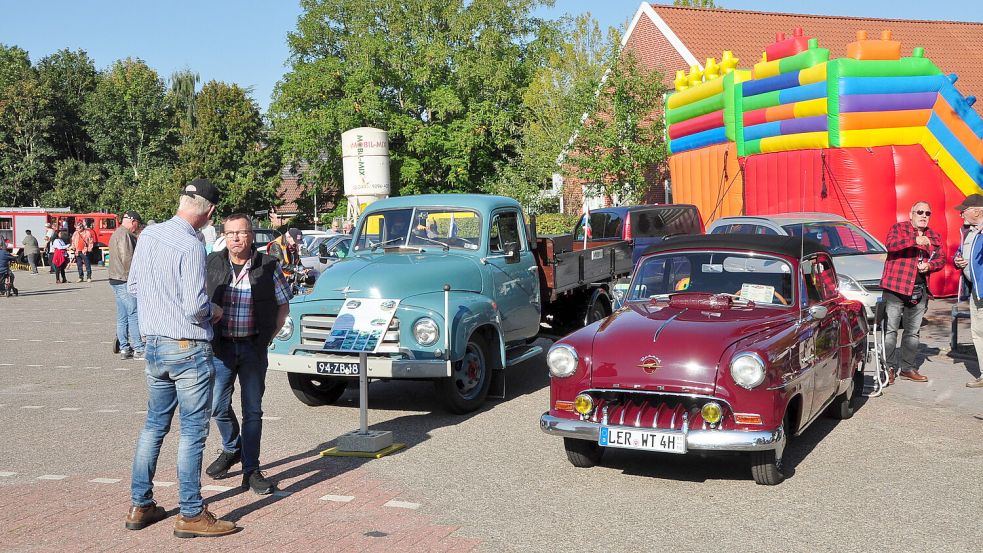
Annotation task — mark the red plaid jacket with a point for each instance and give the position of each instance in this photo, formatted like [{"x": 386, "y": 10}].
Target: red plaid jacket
[{"x": 903, "y": 253}]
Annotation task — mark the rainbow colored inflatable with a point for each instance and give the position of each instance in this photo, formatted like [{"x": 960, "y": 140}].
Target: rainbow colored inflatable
[{"x": 863, "y": 136}]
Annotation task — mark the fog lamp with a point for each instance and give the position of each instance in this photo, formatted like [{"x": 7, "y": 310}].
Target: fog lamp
[
  {"x": 712, "y": 413},
  {"x": 583, "y": 404}
]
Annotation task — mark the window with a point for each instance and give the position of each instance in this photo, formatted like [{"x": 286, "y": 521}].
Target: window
[
  {"x": 603, "y": 226},
  {"x": 421, "y": 227},
  {"x": 819, "y": 279},
  {"x": 743, "y": 228},
  {"x": 840, "y": 238},
  {"x": 505, "y": 231},
  {"x": 664, "y": 221}
]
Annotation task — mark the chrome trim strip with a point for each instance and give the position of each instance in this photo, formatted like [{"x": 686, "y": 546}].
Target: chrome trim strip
[
  {"x": 705, "y": 440},
  {"x": 533, "y": 351},
  {"x": 651, "y": 393}
]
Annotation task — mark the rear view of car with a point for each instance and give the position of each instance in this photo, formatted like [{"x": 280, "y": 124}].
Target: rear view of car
[{"x": 644, "y": 224}]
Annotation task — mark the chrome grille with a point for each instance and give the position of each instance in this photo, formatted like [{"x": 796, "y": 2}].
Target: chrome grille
[
  {"x": 654, "y": 411},
  {"x": 871, "y": 285},
  {"x": 315, "y": 329}
]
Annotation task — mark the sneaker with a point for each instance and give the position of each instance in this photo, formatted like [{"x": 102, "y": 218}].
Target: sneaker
[
  {"x": 204, "y": 525},
  {"x": 138, "y": 355},
  {"x": 978, "y": 383},
  {"x": 220, "y": 467},
  {"x": 125, "y": 354},
  {"x": 258, "y": 483},
  {"x": 140, "y": 517}
]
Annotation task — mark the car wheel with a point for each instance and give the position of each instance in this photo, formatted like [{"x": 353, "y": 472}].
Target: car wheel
[
  {"x": 582, "y": 453},
  {"x": 766, "y": 468},
  {"x": 467, "y": 387},
  {"x": 316, "y": 391},
  {"x": 842, "y": 406}
]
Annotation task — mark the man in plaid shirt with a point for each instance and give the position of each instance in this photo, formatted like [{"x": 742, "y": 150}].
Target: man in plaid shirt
[
  {"x": 254, "y": 295},
  {"x": 913, "y": 251}
]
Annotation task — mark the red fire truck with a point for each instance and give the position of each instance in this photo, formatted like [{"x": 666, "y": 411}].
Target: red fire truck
[{"x": 14, "y": 221}]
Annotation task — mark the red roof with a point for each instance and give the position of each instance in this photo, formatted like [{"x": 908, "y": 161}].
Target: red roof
[{"x": 954, "y": 46}]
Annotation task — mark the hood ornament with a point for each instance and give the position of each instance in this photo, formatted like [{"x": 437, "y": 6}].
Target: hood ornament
[
  {"x": 346, "y": 290},
  {"x": 649, "y": 364}
]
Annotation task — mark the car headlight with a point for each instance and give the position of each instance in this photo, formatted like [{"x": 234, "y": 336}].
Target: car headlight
[
  {"x": 287, "y": 331},
  {"x": 425, "y": 331},
  {"x": 747, "y": 370},
  {"x": 562, "y": 360},
  {"x": 849, "y": 284}
]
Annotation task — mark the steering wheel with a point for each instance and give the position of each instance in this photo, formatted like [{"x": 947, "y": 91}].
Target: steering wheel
[{"x": 781, "y": 299}]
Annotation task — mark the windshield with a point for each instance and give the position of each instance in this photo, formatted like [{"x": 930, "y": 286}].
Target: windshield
[
  {"x": 839, "y": 238},
  {"x": 763, "y": 280},
  {"x": 420, "y": 228}
]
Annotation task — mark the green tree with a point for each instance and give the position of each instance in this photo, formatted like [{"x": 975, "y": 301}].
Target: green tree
[
  {"x": 183, "y": 95},
  {"x": 25, "y": 136},
  {"x": 155, "y": 195},
  {"x": 695, "y": 3},
  {"x": 228, "y": 145},
  {"x": 71, "y": 77},
  {"x": 623, "y": 136},
  {"x": 444, "y": 77},
  {"x": 77, "y": 185},
  {"x": 14, "y": 62},
  {"x": 128, "y": 117}
]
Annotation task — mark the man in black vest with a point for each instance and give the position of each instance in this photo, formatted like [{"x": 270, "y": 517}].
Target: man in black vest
[{"x": 251, "y": 289}]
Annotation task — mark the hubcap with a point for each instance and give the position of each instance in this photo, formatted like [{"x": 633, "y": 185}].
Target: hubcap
[{"x": 470, "y": 372}]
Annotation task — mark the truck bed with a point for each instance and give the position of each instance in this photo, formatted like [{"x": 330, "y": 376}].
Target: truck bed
[{"x": 565, "y": 265}]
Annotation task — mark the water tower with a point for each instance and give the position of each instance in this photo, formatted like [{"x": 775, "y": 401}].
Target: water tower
[{"x": 365, "y": 161}]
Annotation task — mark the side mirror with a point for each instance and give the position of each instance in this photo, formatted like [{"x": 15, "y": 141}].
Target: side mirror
[
  {"x": 322, "y": 250},
  {"x": 818, "y": 312}
]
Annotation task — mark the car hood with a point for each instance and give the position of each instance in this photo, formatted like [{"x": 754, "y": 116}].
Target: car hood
[
  {"x": 398, "y": 275},
  {"x": 687, "y": 344},
  {"x": 861, "y": 267}
]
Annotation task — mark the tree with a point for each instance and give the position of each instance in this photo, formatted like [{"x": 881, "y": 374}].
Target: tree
[
  {"x": 183, "y": 95},
  {"x": 444, "y": 77},
  {"x": 128, "y": 118},
  {"x": 228, "y": 145},
  {"x": 694, "y": 3},
  {"x": 14, "y": 62},
  {"x": 71, "y": 77},
  {"x": 623, "y": 136},
  {"x": 25, "y": 131},
  {"x": 77, "y": 185}
]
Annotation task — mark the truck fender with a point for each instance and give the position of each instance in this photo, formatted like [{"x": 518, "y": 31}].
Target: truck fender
[{"x": 471, "y": 314}]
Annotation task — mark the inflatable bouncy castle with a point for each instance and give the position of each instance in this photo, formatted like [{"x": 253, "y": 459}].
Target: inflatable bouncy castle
[{"x": 864, "y": 136}]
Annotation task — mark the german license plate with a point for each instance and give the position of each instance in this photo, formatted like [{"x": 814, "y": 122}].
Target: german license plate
[
  {"x": 638, "y": 438},
  {"x": 337, "y": 368}
]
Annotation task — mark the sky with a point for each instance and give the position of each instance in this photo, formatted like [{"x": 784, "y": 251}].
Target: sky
[{"x": 244, "y": 41}]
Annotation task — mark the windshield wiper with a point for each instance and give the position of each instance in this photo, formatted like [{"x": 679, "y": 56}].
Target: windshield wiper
[
  {"x": 372, "y": 247},
  {"x": 432, "y": 241}
]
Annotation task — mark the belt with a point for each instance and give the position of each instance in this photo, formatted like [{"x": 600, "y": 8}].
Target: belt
[{"x": 237, "y": 339}]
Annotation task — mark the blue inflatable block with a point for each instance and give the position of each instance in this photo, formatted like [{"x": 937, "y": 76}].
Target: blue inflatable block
[
  {"x": 802, "y": 93},
  {"x": 698, "y": 140},
  {"x": 968, "y": 114},
  {"x": 891, "y": 85},
  {"x": 764, "y": 130},
  {"x": 770, "y": 84},
  {"x": 955, "y": 148}
]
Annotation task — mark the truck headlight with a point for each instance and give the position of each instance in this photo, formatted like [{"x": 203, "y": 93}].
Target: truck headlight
[
  {"x": 287, "y": 331},
  {"x": 562, "y": 360},
  {"x": 849, "y": 284},
  {"x": 747, "y": 370},
  {"x": 425, "y": 331}
]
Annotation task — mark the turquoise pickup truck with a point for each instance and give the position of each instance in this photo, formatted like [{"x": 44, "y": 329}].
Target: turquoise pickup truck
[{"x": 473, "y": 288}]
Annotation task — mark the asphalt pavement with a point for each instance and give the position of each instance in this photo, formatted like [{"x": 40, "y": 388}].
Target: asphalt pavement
[{"x": 902, "y": 475}]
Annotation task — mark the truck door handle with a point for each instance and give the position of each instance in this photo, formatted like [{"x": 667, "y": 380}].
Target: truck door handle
[{"x": 533, "y": 269}]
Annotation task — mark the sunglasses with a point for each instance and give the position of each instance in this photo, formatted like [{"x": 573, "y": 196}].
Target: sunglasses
[{"x": 924, "y": 212}]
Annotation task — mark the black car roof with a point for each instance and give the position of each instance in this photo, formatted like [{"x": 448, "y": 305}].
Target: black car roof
[
  {"x": 790, "y": 246},
  {"x": 631, "y": 208}
]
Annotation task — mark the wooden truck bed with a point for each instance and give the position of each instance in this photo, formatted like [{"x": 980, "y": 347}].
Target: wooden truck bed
[{"x": 564, "y": 264}]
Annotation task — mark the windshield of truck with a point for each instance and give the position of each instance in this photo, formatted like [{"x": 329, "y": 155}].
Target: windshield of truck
[
  {"x": 839, "y": 238},
  {"x": 761, "y": 279},
  {"x": 419, "y": 228}
]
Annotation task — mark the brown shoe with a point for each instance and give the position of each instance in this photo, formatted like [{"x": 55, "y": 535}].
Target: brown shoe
[
  {"x": 913, "y": 376},
  {"x": 204, "y": 525},
  {"x": 140, "y": 517},
  {"x": 890, "y": 377},
  {"x": 978, "y": 383}
]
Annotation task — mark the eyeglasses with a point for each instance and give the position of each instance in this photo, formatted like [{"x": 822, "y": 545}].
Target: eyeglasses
[
  {"x": 924, "y": 212},
  {"x": 241, "y": 233}
]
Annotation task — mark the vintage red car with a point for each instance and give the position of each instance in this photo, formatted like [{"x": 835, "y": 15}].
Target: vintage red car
[{"x": 725, "y": 343}]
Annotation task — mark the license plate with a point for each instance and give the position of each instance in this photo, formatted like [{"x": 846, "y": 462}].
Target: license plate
[
  {"x": 337, "y": 368},
  {"x": 638, "y": 438}
]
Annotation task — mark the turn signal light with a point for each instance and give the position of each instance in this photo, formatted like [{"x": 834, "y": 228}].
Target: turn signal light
[
  {"x": 747, "y": 418},
  {"x": 583, "y": 404},
  {"x": 562, "y": 405},
  {"x": 712, "y": 413}
]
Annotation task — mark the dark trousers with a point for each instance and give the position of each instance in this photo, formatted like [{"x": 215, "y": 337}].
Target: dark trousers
[
  {"x": 902, "y": 315},
  {"x": 32, "y": 260},
  {"x": 83, "y": 259},
  {"x": 246, "y": 361}
]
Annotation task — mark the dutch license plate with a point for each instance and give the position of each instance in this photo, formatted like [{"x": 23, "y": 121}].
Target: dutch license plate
[
  {"x": 337, "y": 368},
  {"x": 647, "y": 440}
]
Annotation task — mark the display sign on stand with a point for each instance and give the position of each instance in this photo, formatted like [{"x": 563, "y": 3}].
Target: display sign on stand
[{"x": 360, "y": 328}]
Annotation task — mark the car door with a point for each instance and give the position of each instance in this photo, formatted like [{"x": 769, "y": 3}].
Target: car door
[
  {"x": 821, "y": 279},
  {"x": 515, "y": 279}
]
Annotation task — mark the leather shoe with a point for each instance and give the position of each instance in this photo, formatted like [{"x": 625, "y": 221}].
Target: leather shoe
[
  {"x": 140, "y": 517},
  {"x": 220, "y": 467},
  {"x": 205, "y": 525},
  {"x": 978, "y": 383},
  {"x": 913, "y": 376},
  {"x": 890, "y": 376},
  {"x": 258, "y": 483}
]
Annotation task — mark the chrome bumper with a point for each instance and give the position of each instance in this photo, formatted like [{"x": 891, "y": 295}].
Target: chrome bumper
[
  {"x": 377, "y": 367},
  {"x": 709, "y": 440}
]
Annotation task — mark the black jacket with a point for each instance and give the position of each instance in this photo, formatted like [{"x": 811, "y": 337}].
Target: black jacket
[{"x": 219, "y": 276}]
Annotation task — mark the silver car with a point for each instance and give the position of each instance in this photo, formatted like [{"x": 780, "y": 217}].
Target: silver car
[
  {"x": 321, "y": 252},
  {"x": 858, "y": 256}
]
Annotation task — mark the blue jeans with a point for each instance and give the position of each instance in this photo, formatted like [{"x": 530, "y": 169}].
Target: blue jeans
[
  {"x": 179, "y": 373},
  {"x": 906, "y": 318},
  {"x": 243, "y": 360},
  {"x": 83, "y": 259},
  {"x": 127, "y": 323}
]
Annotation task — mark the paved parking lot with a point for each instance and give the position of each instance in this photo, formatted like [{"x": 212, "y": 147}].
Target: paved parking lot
[{"x": 903, "y": 475}]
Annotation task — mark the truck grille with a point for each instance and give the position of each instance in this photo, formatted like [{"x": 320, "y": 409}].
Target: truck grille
[
  {"x": 871, "y": 285},
  {"x": 655, "y": 411},
  {"x": 315, "y": 329}
]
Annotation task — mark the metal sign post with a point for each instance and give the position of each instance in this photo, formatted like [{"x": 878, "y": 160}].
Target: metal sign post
[{"x": 363, "y": 393}]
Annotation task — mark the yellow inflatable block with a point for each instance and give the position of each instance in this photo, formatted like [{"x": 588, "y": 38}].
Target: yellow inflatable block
[
  {"x": 800, "y": 141},
  {"x": 814, "y": 74},
  {"x": 957, "y": 174},
  {"x": 695, "y": 93},
  {"x": 809, "y": 108},
  {"x": 932, "y": 145},
  {"x": 766, "y": 69},
  {"x": 868, "y": 138}
]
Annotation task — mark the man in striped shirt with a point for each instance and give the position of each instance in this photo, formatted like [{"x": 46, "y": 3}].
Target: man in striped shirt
[{"x": 167, "y": 276}]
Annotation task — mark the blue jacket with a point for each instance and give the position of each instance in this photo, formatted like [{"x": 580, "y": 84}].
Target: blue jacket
[
  {"x": 975, "y": 283},
  {"x": 5, "y": 260}
]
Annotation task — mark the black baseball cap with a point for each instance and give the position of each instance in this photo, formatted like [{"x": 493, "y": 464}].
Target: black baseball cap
[
  {"x": 973, "y": 200},
  {"x": 133, "y": 215},
  {"x": 203, "y": 188},
  {"x": 297, "y": 235}
]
